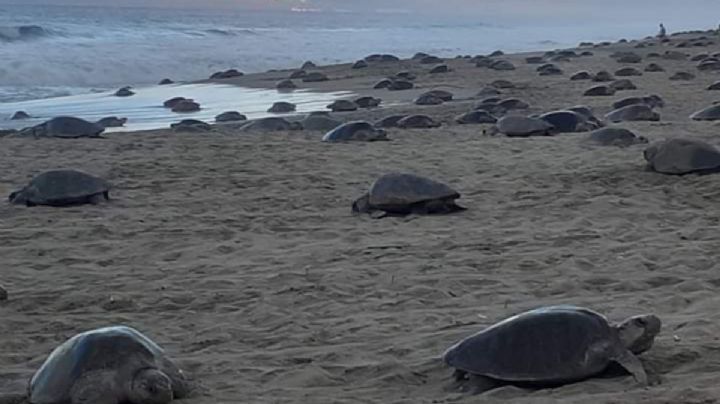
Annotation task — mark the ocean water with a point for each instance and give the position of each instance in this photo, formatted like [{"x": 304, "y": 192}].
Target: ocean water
[{"x": 59, "y": 51}]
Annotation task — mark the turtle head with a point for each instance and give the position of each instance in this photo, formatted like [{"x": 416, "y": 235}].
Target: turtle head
[
  {"x": 151, "y": 386},
  {"x": 637, "y": 333},
  {"x": 650, "y": 153},
  {"x": 18, "y": 197}
]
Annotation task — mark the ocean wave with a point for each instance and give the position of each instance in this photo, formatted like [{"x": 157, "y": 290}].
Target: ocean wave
[{"x": 23, "y": 32}]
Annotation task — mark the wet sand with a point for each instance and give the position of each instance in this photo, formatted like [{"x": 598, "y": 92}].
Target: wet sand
[{"x": 238, "y": 253}]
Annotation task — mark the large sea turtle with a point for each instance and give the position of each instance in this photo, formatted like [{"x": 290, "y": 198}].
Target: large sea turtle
[
  {"x": 477, "y": 116},
  {"x": 282, "y": 107},
  {"x": 615, "y": 137},
  {"x": 417, "y": 121},
  {"x": 112, "y": 122},
  {"x": 62, "y": 188},
  {"x": 400, "y": 194},
  {"x": 342, "y": 106},
  {"x": 653, "y": 100},
  {"x": 567, "y": 121},
  {"x": 66, "y": 127},
  {"x": 108, "y": 366},
  {"x": 520, "y": 126},
  {"x": 355, "y": 131},
  {"x": 634, "y": 112},
  {"x": 270, "y": 124},
  {"x": 682, "y": 156},
  {"x": 551, "y": 346},
  {"x": 711, "y": 113}
]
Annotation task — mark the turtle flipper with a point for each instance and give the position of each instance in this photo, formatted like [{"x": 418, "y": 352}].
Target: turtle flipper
[{"x": 632, "y": 364}]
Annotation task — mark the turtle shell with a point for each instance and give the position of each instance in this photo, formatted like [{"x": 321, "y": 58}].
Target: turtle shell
[
  {"x": 520, "y": 126},
  {"x": 711, "y": 113},
  {"x": 550, "y": 345},
  {"x": 356, "y": 130},
  {"x": 60, "y": 188},
  {"x": 682, "y": 156},
  {"x": 615, "y": 137},
  {"x": 69, "y": 127},
  {"x": 634, "y": 112},
  {"x": 119, "y": 348},
  {"x": 417, "y": 121},
  {"x": 270, "y": 124},
  {"x": 565, "y": 121},
  {"x": 398, "y": 192}
]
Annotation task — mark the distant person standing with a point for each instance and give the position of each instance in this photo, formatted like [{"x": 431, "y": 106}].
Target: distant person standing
[{"x": 662, "y": 33}]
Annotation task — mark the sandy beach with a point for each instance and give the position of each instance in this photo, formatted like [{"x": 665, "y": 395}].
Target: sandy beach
[{"x": 238, "y": 253}]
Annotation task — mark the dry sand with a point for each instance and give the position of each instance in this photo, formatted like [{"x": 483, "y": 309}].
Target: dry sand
[{"x": 239, "y": 255}]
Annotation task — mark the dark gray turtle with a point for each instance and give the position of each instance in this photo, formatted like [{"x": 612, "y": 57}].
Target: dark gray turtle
[
  {"x": 62, "y": 188},
  {"x": 112, "y": 122},
  {"x": 367, "y": 102},
  {"x": 442, "y": 94},
  {"x": 581, "y": 75},
  {"x": 19, "y": 115},
  {"x": 401, "y": 194},
  {"x": 308, "y": 65},
  {"x": 496, "y": 53},
  {"x": 652, "y": 100},
  {"x": 549, "y": 69},
  {"x": 419, "y": 56},
  {"x": 430, "y": 60},
  {"x": 628, "y": 71},
  {"x": 699, "y": 57},
  {"x": 502, "y": 84},
  {"x": 227, "y": 74},
  {"x": 230, "y": 116},
  {"x": 674, "y": 55},
  {"x": 355, "y": 131},
  {"x": 603, "y": 76},
  {"x": 634, "y": 112},
  {"x": 417, "y": 121},
  {"x": 599, "y": 90},
  {"x": 315, "y": 77},
  {"x": 270, "y": 124},
  {"x": 165, "y": 82},
  {"x": 711, "y": 113},
  {"x": 67, "y": 127},
  {"x": 534, "y": 60},
  {"x": 682, "y": 76},
  {"x": 490, "y": 100},
  {"x": 509, "y": 104},
  {"x": 709, "y": 65},
  {"x": 399, "y": 85},
  {"x": 286, "y": 84},
  {"x": 439, "y": 69},
  {"x": 428, "y": 99},
  {"x": 502, "y": 65},
  {"x": 615, "y": 137},
  {"x": 186, "y": 106},
  {"x": 654, "y": 68},
  {"x": 108, "y": 366},
  {"x": 623, "y": 84},
  {"x": 477, "y": 116},
  {"x": 520, "y": 126},
  {"x": 567, "y": 121},
  {"x": 124, "y": 92},
  {"x": 297, "y": 74},
  {"x": 342, "y": 106},
  {"x": 551, "y": 346},
  {"x": 282, "y": 107},
  {"x": 405, "y": 75},
  {"x": 682, "y": 156},
  {"x": 629, "y": 58},
  {"x": 191, "y": 125},
  {"x": 360, "y": 64},
  {"x": 390, "y": 121},
  {"x": 172, "y": 102},
  {"x": 714, "y": 86},
  {"x": 490, "y": 107},
  {"x": 384, "y": 83},
  {"x": 319, "y": 123}
]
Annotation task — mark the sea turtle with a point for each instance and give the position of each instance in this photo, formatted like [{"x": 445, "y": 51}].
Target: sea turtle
[
  {"x": 107, "y": 366},
  {"x": 230, "y": 116},
  {"x": 502, "y": 84},
  {"x": 629, "y": 58},
  {"x": 496, "y": 53},
  {"x": 674, "y": 55},
  {"x": 319, "y": 123},
  {"x": 172, "y": 102},
  {"x": 567, "y": 121},
  {"x": 186, "y": 106},
  {"x": 711, "y": 113},
  {"x": 628, "y": 71},
  {"x": 615, "y": 137},
  {"x": 357, "y": 131},
  {"x": 513, "y": 103},
  {"x": 384, "y": 83},
  {"x": 549, "y": 70},
  {"x": 390, "y": 121},
  {"x": 714, "y": 86},
  {"x": 477, "y": 116},
  {"x": 400, "y": 194},
  {"x": 682, "y": 156},
  {"x": 360, "y": 64},
  {"x": 599, "y": 90},
  {"x": 19, "y": 115},
  {"x": 285, "y": 84},
  {"x": 502, "y": 65},
  {"x": 405, "y": 75},
  {"x": 297, "y": 74},
  {"x": 66, "y": 127},
  {"x": 652, "y": 100},
  {"x": 534, "y": 60},
  {"x": 653, "y": 68},
  {"x": 428, "y": 99},
  {"x": 634, "y": 112},
  {"x": 442, "y": 68},
  {"x": 490, "y": 107},
  {"x": 400, "y": 84},
  {"x": 165, "y": 82},
  {"x": 442, "y": 94},
  {"x": 603, "y": 76},
  {"x": 520, "y": 126},
  {"x": 308, "y": 65},
  {"x": 270, "y": 124},
  {"x": 684, "y": 76},
  {"x": 417, "y": 121},
  {"x": 342, "y": 106},
  {"x": 124, "y": 92},
  {"x": 314, "y": 77},
  {"x": 367, "y": 102},
  {"x": 551, "y": 346},
  {"x": 709, "y": 65},
  {"x": 581, "y": 75},
  {"x": 227, "y": 74},
  {"x": 191, "y": 125},
  {"x": 62, "y": 188},
  {"x": 430, "y": 60},
  {"x": 282, "y": 107},
  {"x": 623, "y": 84},
  {"x": 112, "y": 122},
  {"x": 419, "y": 56}
]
